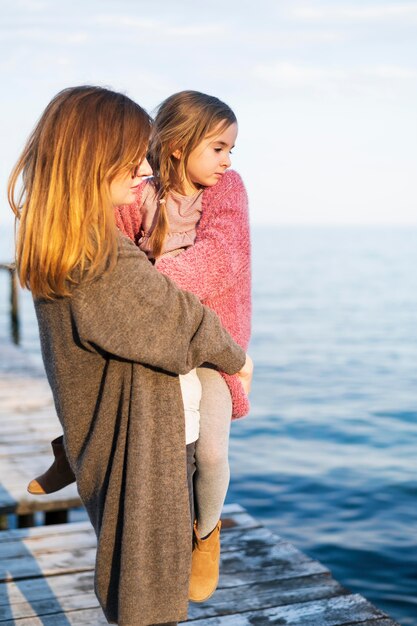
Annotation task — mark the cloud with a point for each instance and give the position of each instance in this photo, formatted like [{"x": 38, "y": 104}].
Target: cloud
[
  {"x": 33, "y": 6},
  {"x": 291, "y": 75},
  {"x": 356, "y": 12},
  {"x": 392, "y": 72},
  {"x": 44, "y": 35},
  {"x": 159, "y": 28}
]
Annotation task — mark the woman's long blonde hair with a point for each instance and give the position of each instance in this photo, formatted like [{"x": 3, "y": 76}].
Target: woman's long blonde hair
[
  {"x": 182, "y": 121},
  {"x": 85, "y": 138}
]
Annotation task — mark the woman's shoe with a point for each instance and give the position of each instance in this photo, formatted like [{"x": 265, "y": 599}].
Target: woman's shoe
[
  {"x": 205, "y": 565},
  {"x": 58, "y": 476}
]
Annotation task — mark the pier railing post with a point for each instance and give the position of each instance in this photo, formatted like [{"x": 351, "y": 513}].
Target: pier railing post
[{"x": 14, "y": 302}]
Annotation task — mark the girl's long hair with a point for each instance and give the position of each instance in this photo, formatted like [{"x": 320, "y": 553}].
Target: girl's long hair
[
  {"x": 85, "y": 138},
  {"x": 182, "y": 121}
]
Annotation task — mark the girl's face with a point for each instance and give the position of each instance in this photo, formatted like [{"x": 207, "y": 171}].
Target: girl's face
[
  {"x": 123, "y": 188},
  {"x": 210, "y": 158}
]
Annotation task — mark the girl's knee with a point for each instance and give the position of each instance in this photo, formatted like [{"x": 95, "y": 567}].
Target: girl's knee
[{"x": 211, "y": 459}]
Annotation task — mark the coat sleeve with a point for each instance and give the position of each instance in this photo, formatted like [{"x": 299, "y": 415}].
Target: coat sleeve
[
  {"x": 135, "y": 313},
  {"x": 221, "y": 248}
]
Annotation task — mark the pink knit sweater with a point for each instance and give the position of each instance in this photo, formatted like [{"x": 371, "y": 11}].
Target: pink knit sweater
[{"x": 217, "y": 268}]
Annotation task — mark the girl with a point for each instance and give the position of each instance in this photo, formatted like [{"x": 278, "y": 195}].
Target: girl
[
  {"x": 194, "y": 204},
  {"x": 115, "y": 386},
  {"x": 192, "y": 221}
]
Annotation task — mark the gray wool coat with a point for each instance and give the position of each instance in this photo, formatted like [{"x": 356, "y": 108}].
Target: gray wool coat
[{"x": 112, "y": 353}]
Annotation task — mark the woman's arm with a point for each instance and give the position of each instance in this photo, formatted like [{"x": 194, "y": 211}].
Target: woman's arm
[
  {"x": 135, "y": 313},
  {"x": 222, "y": 246}
]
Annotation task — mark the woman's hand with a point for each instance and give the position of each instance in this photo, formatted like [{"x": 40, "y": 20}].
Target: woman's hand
[{"x": 246, "y": 374}]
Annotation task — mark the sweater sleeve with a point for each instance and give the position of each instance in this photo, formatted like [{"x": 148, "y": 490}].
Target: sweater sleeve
[
  {"x": 213, "y": 263},
  {"x": 135, "y": 313}
]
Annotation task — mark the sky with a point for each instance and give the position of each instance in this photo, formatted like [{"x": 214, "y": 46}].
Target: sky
[{"x": 325, "y": 92}]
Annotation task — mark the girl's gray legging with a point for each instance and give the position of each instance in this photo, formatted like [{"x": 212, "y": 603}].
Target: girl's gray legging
[{"x": 212, "y": 475}]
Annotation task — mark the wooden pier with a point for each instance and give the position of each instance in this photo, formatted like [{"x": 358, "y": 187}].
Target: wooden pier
[
  {"x": 46, "y": 577},
  {"x": 28, "y": 423},
  {"x": 46, "y": 572}
]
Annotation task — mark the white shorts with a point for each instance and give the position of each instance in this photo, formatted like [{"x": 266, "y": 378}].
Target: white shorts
[{"x": 191, "y": 396}]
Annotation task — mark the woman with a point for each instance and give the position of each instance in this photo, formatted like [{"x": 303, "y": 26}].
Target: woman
[
  {"x": 191, "y": 219},
  {"x": 115, "y": 334}
]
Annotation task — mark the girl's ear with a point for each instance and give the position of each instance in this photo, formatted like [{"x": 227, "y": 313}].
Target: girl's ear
[{"x": 177, "y": 154}]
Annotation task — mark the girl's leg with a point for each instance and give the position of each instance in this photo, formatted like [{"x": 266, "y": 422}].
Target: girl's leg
[
  {"x": 190, "y": 478},
  {"x": 59, "y": 474},
  {"x": 212, "y": 476}
]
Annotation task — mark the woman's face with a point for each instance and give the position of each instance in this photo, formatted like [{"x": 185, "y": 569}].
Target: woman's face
[{"x": 124, "y": 187}]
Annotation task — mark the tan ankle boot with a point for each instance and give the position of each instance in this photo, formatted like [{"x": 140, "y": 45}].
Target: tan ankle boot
[
  {"x": 58, "y": 476},
  {"x": 205, "y": 565}
]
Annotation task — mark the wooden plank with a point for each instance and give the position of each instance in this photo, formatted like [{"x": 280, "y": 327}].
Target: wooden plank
[
  {"x": 49, "y": 555},
  {"x": 21, "y": 502},
  {"x": 42, "y": 414},
  {"x": 8, "y": 536},
  {"x": 263, "y": 595},
  {"x": 49, "y": 597},
  {"x": 46, "y": 545},
  {"x": 30, "y": 394},
  {"x": 259, "y": 555},
  {"x": 41, "y": 609},
  {"x": 259, "y": 540},
  {"x": 38, "y": 589},
  {"x": 339, "y": 611},
  {"x": 385, "y": 621},
  {"x": 20, "y": 451},
  {"x": 41, "y": 538},
  {"x": 47, "y": 429},
  {"x": 32, "y": 418},
  {"x": 68, "y": 561},
  {"x": 248, "y": 568},
  {"x": 241, "y": 521},
  {"x": 20, "y": 437},
  {"x": 15, "y": 401},
  {"x": 89, "y": 617}
]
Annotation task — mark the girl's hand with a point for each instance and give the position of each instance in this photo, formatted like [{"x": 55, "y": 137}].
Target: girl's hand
[{"x": 246, "y": 374}]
